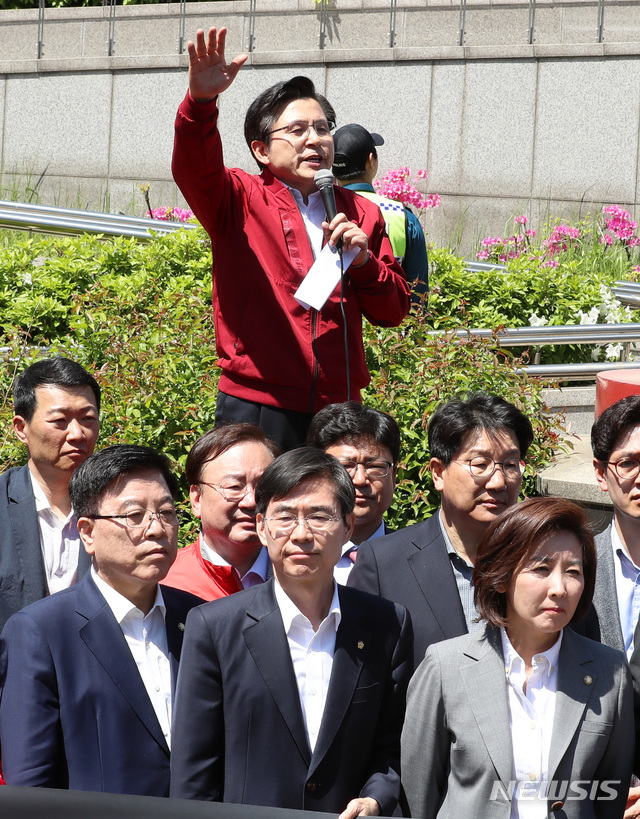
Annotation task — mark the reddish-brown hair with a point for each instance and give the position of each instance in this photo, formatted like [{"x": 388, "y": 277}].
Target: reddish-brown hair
[{"x": 512, "y": 537}]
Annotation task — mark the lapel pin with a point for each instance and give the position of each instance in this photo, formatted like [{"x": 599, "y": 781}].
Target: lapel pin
[
  {"x": 360, "y": 644},
  {"x": 588, "y": 680},
  {"x": 180, "y": 626}
]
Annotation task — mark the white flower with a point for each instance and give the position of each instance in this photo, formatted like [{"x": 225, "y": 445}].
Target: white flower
[
  {"x": 27, "y": 280},
  {"x": 537, "y": 321},
  {"x": 589, "y": 318},
  {"x": 595, "y": 353},
  {"x": 613, "y": 351}
]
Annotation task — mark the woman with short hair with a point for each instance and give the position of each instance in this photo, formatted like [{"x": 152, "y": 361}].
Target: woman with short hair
[{"x": 526, "y": 719}]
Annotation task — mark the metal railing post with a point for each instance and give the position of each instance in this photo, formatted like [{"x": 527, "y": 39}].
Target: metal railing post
[
  {"x": 40, "y": 44},
  {"x": 181, "y": 26},
  {"x": 600, "y": 31},
  {"x": 323, "y": 24},
  {"x": 463, "y": 22},
  {"x": 111, "y": 41},
  {"x": 532, "y": 21},
  {"x": 392, "y": 23},
  {"x": 252, "y": 26}
]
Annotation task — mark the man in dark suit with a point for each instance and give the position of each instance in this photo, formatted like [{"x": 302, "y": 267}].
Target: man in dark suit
[
  {"x": 477, "y": 448},
  {"x": 56, "y": 405},
  {"x": 291, "y": 694},
  {"x": 87, "y": 674},
  {"x": 613, "y": 618},
  {"x": 366, "y": 441},
  {"x": 615, "y": 440}
]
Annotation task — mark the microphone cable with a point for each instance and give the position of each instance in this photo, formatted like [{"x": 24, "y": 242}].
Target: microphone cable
[{"x": 344, "y": 328}]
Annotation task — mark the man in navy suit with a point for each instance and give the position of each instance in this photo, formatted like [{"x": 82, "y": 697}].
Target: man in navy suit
[
  {"x": 477, "y": 449},
  {"x": 87, "y": 674},
  {"x": 56, "y": 405},
  {"x": 366, "y": 441},
  {"x": 291, "y": 694}
]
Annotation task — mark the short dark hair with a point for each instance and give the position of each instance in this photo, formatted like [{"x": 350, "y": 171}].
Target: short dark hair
[
  {"x": 512, "y": 537},
  {"x": 55, "y": 372},
  {"x": 451, "y": 424},
  {"x": 102, "y": 472},
  {"x": 610, "y": 426},
  {"x": 212, "y": 444},
  {"x": 298, "y": 465},
  {"x": 346, "y": 422},
  {"x": 268, "y": 106}
]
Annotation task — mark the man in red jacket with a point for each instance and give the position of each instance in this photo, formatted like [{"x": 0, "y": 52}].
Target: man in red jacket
[
  {"x": 222, "y": 469},
  {"x": 280, "y": 362}
]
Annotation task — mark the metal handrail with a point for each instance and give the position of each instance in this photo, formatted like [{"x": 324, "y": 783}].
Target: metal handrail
[
  {"x": 483, "y": 267},
  {"x": 559, "y": 334},
  {"x": 65, "y": 221},
  {"x": 576, "y": 372}
]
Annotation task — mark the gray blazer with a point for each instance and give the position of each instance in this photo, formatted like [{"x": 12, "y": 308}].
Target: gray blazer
[{"x": 456, "y": 742}]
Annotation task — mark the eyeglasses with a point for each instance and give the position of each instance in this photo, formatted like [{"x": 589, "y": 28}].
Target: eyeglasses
[
  {"x": 626, "y": 468},
  {"x": 374, "y": 470},
  {"x": 232, "y": 491},
  {"x": 316, "y": 522},
  {"x": 137, "y": 519},
  {"x": 300, "y": 130},
  {"x": 483, "y": 468}
]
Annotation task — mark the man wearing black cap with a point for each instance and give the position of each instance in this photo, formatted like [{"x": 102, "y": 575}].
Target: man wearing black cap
[{"x": 355, "y": 166}]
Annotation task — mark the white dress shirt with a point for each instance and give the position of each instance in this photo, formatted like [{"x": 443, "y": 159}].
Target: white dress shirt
[
  {"x": 59, "y": 542},
  {"x": 531, "y": 715},
  {"x": 146, "y": 636},
  {"x": 257, "y": 573},
  {"x": 345, "y": 564},
  {"x": 312, "y": 656},
  {"x": 627, "y": 589},
  {"x": 313, "y": 215}
]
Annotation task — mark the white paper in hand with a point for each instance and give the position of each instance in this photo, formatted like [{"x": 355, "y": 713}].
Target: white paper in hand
[{"x": 320, "y": 281}]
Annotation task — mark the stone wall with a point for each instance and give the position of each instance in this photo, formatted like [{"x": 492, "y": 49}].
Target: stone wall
[{"x": 502, "y": 126}]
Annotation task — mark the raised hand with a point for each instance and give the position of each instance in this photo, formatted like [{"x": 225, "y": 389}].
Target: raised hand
[{"x": 209, "y": 74}]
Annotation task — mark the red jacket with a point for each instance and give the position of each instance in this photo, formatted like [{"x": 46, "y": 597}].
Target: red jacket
[{"x": 272, "y": 350}]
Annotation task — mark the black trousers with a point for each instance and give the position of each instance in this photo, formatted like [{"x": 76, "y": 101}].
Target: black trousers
[{"x": 287, "y": 428}]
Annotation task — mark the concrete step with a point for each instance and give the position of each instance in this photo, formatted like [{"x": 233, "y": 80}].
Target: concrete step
[
  {"x": 577, "y": 403},
  {"x": 572, "y": 476}
]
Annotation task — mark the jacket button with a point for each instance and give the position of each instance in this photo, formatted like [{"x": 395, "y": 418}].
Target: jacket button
[
  {"x": 310, "y": 786},
  {"x": 557, "y": 806}
]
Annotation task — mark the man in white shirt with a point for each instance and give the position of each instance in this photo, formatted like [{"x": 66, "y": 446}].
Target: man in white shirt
[
  {"x": 477, "y": 445},
  {"x": 56, "y": 405},
  {"x": 366, "y": 441},
  {"x": 291, "y": 694},
  {"x": 88, "y": 674},
  {"x": 222, "y": 469},
  {"x": 615, "y": 440}
]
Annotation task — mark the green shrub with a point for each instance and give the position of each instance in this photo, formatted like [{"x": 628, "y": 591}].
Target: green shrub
[
  {"x": 526, "y": 293},
  {"x": 413, "y": 374},
  {"x": 139, "y": 317}
]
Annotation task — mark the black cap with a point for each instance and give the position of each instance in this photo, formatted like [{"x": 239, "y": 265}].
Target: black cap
[{"x": 353, "y": 144}]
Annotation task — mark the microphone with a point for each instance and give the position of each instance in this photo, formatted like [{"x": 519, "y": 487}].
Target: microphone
[{"x": 324, "y": 182}]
